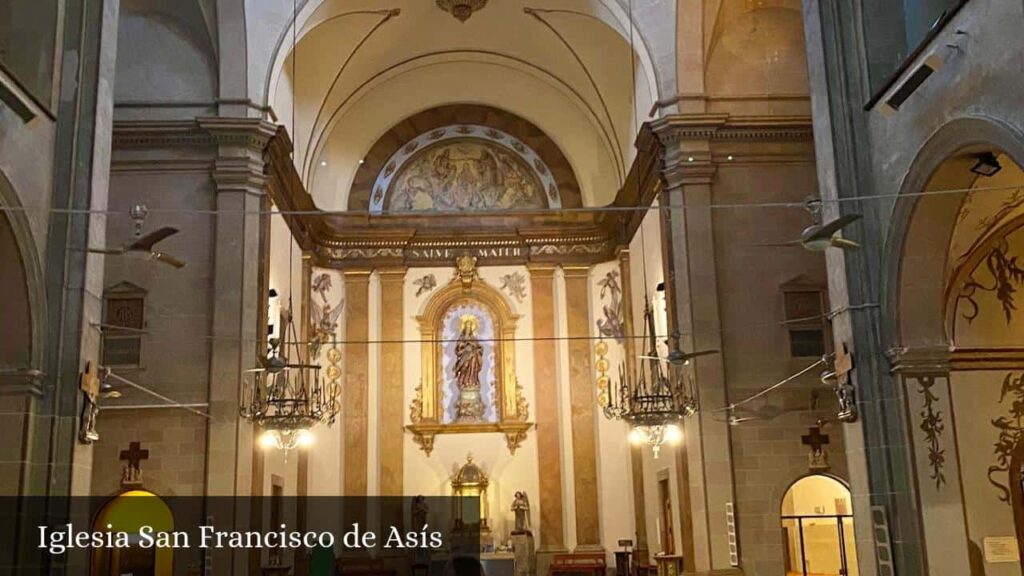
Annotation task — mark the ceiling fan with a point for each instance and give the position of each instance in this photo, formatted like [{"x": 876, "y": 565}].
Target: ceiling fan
[
  {"x": 819, "y": 236},
  {"x": 676, "y": 355},
  {"x": 275, "y": 363},
  {"x": 145, "y": 245}
]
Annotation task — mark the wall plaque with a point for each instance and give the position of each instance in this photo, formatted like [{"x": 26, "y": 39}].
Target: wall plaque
[{"x": 1001, "y": 549}]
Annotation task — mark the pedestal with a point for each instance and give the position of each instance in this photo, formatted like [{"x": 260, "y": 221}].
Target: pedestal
[{"x": 525, "y": 553}]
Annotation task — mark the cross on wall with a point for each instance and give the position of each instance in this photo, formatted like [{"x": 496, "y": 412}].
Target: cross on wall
[
  {"x": 815, "y": 439},
  {"x": 134, "y": 454}
]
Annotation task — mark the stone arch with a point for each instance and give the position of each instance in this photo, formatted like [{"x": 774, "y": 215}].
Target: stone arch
[
  {"x": 25, "y": 291},
  {"x": 914, "y": 271},
  {"x": 426, "y": 121}
]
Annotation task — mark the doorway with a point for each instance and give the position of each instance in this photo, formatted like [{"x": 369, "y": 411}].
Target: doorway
[
  {"x": 668, "y": 537},
  {"x": 817, "y": 528},
  {"x": 127, "y": 512}
]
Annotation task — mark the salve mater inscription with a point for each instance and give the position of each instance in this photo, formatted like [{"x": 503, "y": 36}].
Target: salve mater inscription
[{"x": 469, "y": 384}]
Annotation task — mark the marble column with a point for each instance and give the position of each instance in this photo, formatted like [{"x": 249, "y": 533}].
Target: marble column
[
  {"x": 692, "y": 300},
  {"x": 583, "y": 406},
  {"x": 636, "y": 459},
  {"x": 355, "y": 401},
  {"x": 392, "y": 401},
  {"x": 549, "y": 447}
]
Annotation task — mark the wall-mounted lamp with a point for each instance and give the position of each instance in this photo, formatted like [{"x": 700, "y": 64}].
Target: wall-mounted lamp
[{"x": 987, "y": 165}]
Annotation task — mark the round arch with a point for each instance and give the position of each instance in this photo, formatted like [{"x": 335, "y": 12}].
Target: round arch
[
  {"x": 914, "y": 271},
  {"x": 25, "y": 258},
  {"x": 128, "y": 512}
]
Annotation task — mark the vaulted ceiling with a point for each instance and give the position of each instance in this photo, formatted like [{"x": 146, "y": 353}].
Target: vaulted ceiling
[{"x": 362, "y": 67}]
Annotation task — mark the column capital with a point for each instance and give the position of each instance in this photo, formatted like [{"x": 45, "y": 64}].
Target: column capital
[
  {"x": 393, "y": 274},
  {"x": 929, "y": 360},
  {"x": 356, "y": 274},
  {"x": 541, "y": 270},
  {"x": 576, "y": 270}
]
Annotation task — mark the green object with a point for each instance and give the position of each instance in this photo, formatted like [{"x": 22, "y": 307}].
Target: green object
[{"x": 321, "y": 562}]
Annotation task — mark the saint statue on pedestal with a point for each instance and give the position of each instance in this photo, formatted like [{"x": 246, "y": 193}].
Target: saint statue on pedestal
[
  {"x": 521, "y": 507},
  {"x": 469, "y": 362}
]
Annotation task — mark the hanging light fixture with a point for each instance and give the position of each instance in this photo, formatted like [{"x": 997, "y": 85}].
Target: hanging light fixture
[
  {"x": 286, "y": 400},
  {"x": 286, "y": 396},
  {"x": 657, "y": 398}
]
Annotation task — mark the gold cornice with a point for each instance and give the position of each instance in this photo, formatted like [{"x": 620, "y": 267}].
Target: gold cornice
[{"x": 580, "y": 238}]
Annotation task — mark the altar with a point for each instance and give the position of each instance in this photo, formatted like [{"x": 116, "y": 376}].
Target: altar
[{"x": 498, "y": 564}]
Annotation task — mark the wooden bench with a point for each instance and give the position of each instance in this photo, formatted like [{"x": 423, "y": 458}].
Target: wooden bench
[{"x": 578, "y": 564}]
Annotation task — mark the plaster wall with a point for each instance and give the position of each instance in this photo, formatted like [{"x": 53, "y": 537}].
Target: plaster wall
[
  {"x": 977, "y": 400},
  {"x": 166, "y": 69},
  {"x": 983, "y": 78},
  {"x": 615, "y": 476}
]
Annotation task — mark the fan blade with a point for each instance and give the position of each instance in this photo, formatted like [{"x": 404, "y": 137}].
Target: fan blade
[
  {"x": 645, "y": 357},
  {"x": 777, "y": 244},
  {"x": 698, "y": 354},
  {"x": 301, "y": 366},
  {"x": 107, "y": 251},
  {"x": 168, "y": 259},
  {"x": 146, "y": 243},
  {"x": 844, "y": 244},
  {"x": 256, "y": 370},
  {"x": 829, "y": 230}
]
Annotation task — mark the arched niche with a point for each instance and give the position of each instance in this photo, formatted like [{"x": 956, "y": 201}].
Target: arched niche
[
  {"x": 468, "y": 301},
  {"x": 916, "y": 278}
]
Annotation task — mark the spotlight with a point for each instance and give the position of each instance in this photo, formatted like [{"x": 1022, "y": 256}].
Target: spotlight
[
  {"x": 987, "y": 165},
  {"x": 323, "y": 162}
]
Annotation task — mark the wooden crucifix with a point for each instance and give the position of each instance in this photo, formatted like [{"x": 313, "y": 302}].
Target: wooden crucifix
[
  {"x": 817, "y": 459},
  {"x": 845, "y": 393},
  {"x": 134, "y": 455},
  {"x": 89, "y": 384}
]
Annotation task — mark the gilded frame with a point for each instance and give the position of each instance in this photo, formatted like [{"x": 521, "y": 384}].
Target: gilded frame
[{"x": 425, "y": 410}]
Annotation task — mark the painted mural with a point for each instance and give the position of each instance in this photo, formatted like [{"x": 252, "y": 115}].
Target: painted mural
[
  {"x": 466, "y": 175},
  {"x": 464, "y": 167}
]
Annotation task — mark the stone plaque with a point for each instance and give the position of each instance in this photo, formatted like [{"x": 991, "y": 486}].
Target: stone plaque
[{"x": 1001, "y": 549}]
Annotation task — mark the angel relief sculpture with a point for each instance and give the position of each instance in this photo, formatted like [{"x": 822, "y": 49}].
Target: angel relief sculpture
[
  {"x": 323, "y": 316},
  {"x": 468, "y": 381}
]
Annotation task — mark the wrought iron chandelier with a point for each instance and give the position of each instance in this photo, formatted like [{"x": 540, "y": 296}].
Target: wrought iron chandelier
[
  {"x": 287, "y": 399},
  {"x": 657, "y": 398}
]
